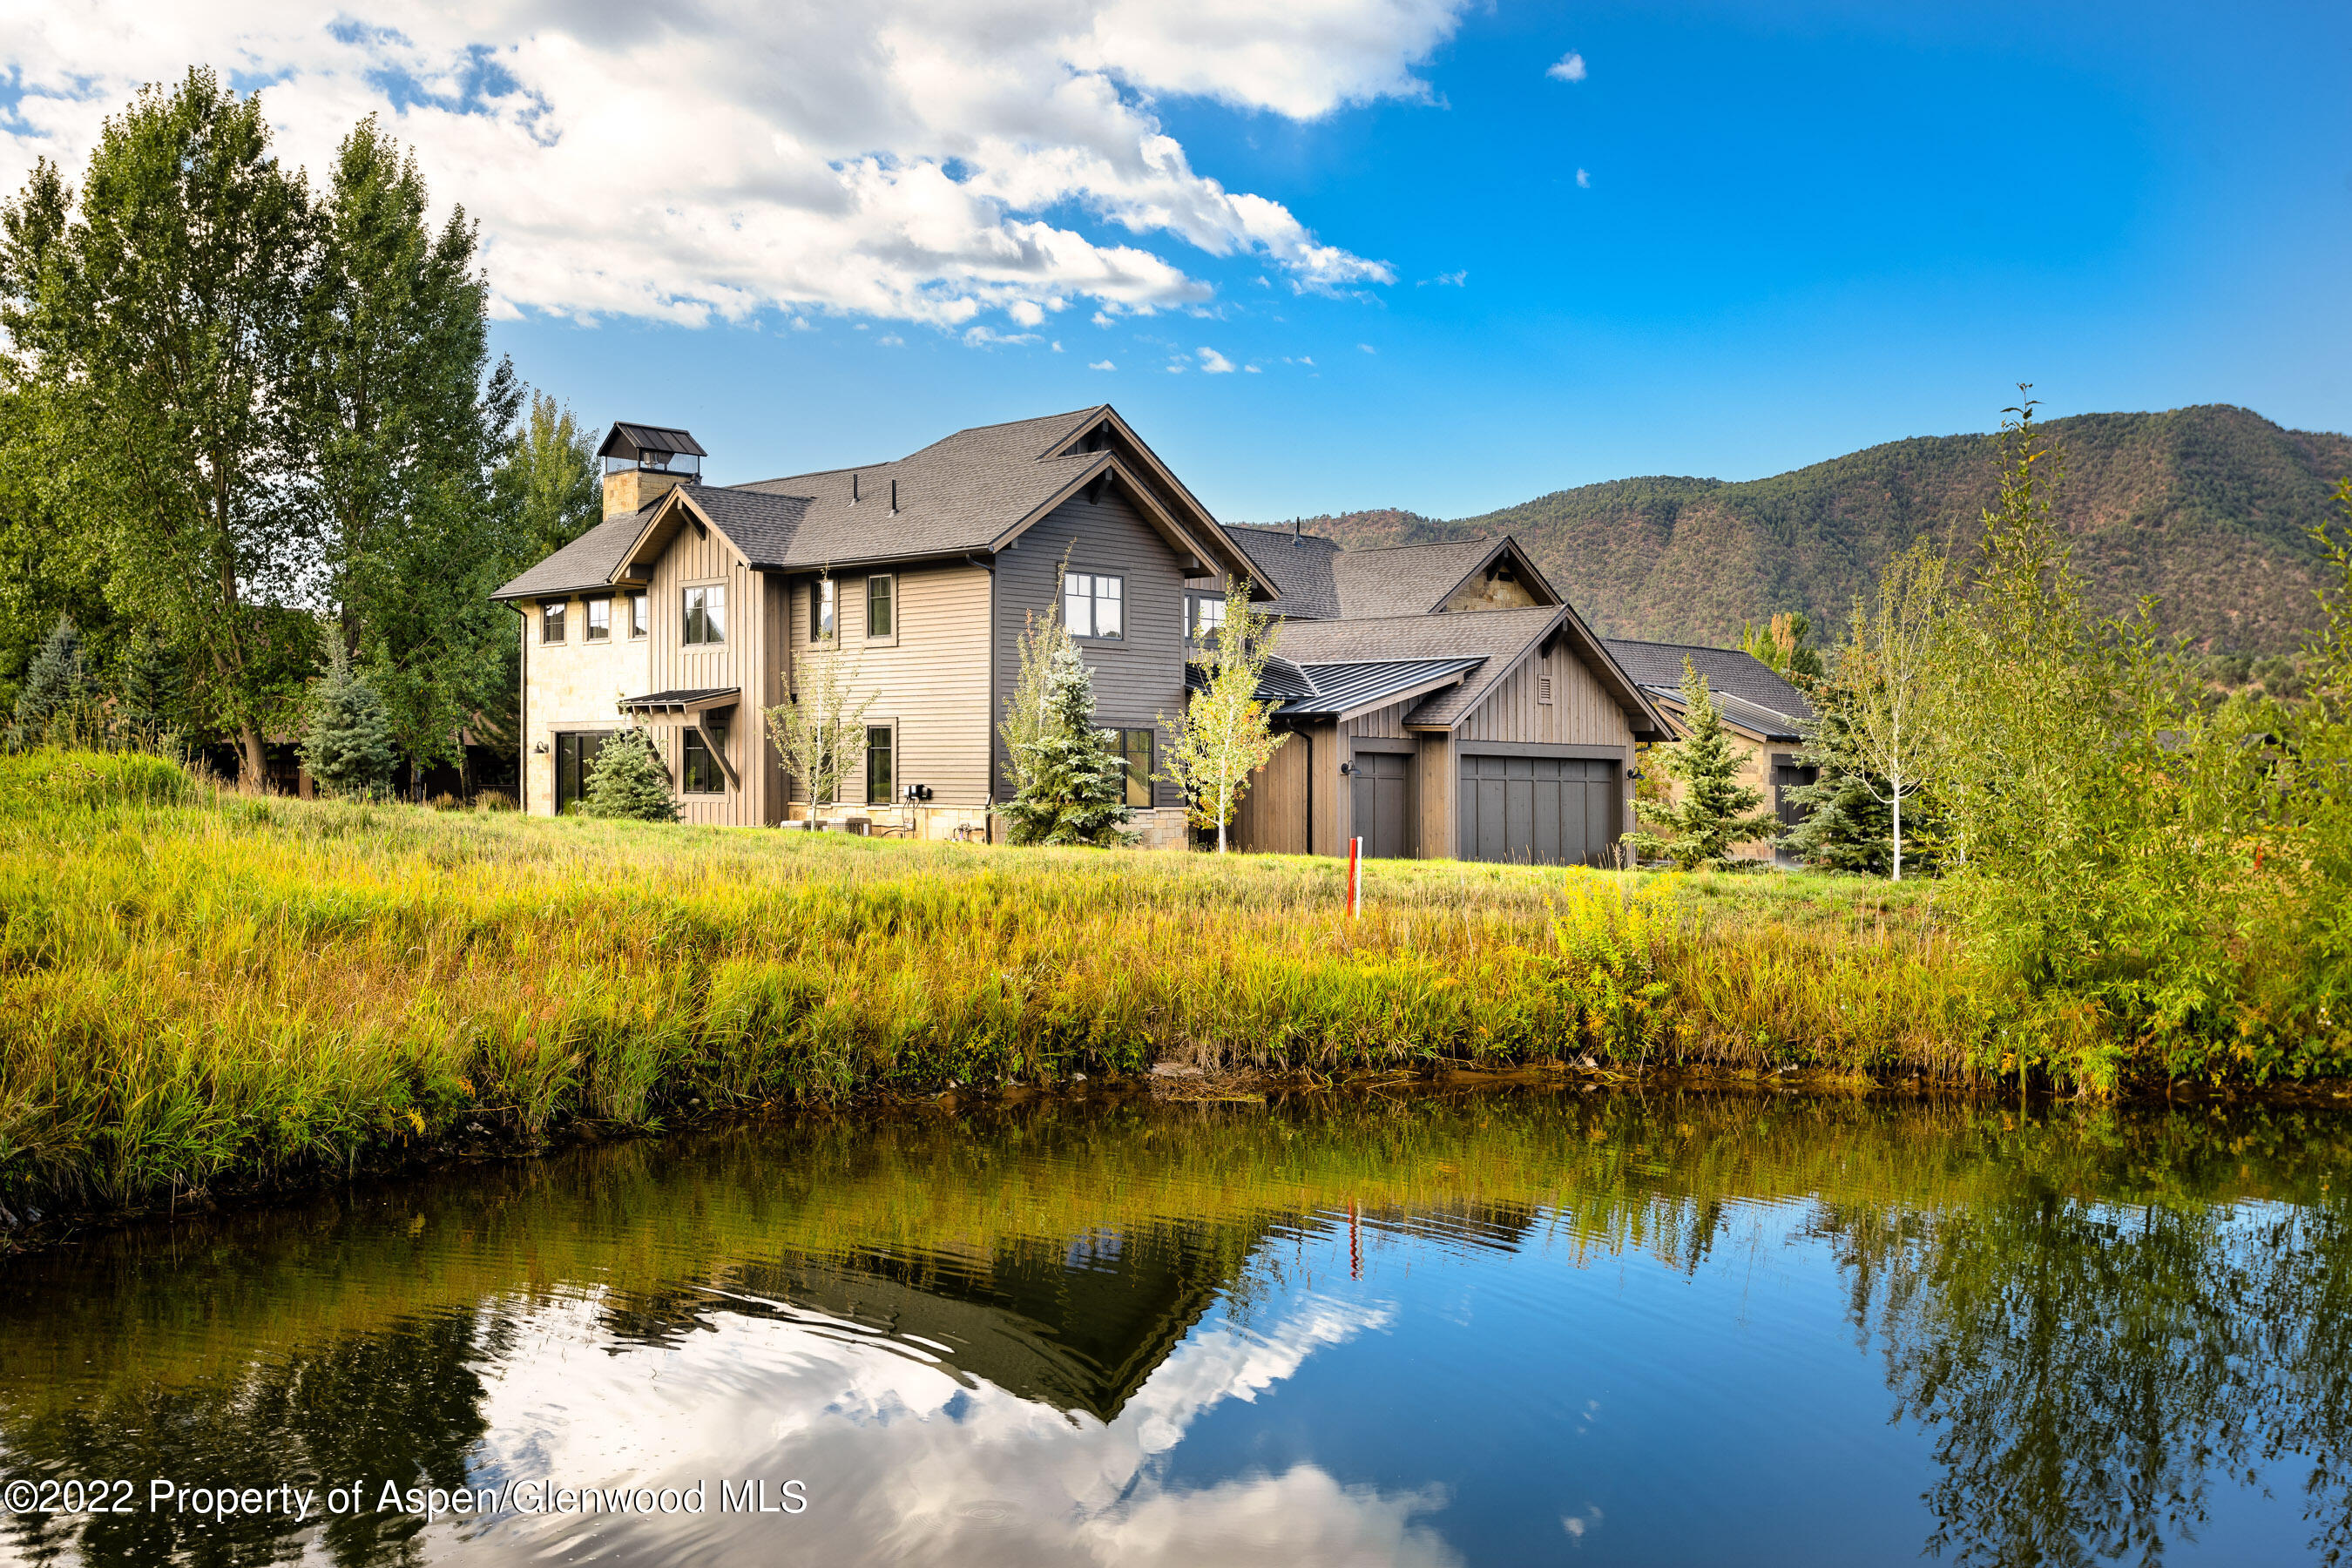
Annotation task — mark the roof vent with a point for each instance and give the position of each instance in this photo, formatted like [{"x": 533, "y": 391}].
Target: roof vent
[
  {"x": 894, "y": 497},
  {"x": 1298, "y": 539}
]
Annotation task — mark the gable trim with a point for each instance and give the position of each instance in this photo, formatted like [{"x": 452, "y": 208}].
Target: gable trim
[
  {"x": 631, "y": 569},
  {"x": 1155, "y": 515}
]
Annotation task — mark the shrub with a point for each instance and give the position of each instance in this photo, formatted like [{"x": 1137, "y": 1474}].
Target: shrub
[{"x": 628, "y": 781}]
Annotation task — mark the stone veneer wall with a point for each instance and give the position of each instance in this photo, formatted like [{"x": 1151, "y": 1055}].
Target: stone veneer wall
[{"x": 574, "y": 685}]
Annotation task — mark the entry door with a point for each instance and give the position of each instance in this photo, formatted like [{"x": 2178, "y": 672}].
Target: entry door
[
  {"x": 1546, "y": 811},
  {"x": 575, "y": 753},
  {"x": 1382, "y": 790}
]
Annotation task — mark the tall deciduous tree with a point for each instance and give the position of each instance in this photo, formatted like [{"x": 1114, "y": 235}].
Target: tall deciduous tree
[
  {"x": 405, "y": 419},
  {"x": 1784, "y": 645},
  {"x": 1225, "y": 734},
  {"x": 163, "y": 313},
  {"x": 1712, "y": 810},
  {"x": 547, "y": 479}
]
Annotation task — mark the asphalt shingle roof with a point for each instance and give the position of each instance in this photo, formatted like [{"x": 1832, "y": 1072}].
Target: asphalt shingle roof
[
  {"x": 1299, "y": 565},
  {"x": 586, "y": 562},
  {"x": 1658, "y": 666},
  {"x": 1405, "y": 579}
]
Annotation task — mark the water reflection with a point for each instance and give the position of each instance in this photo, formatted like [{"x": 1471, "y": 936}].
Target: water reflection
[{"x": 1492, "y": 1328}]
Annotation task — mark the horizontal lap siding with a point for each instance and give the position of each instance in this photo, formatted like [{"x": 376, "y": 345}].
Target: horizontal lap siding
[
  {"x": 1138, "y": 679},
  {"x": 700, "y": 556},
  {"x": 930, "y": 680}
]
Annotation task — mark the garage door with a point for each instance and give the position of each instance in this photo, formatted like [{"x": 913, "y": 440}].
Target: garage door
[
  {"x": 1549, "y": 811},
  {"x": 1381, "y": 789}
]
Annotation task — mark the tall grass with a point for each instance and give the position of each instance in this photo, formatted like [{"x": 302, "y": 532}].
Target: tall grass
[{"x": 197, "y": 987}]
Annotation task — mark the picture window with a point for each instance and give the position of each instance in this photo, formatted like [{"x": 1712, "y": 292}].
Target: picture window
[
  {"x": 1093, "y": 606},
  {"x": 706, "y": 616}
]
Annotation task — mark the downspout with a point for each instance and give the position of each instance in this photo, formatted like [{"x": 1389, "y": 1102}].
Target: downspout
[{"x": 522, "y": 716}]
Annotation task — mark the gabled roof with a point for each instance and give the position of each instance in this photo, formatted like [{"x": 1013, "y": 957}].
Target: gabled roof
[
  {"x": 628, "y": 440},
  {"x": 1417, "y": 579},
  {"x": 589, "y": 562},
  {"x": 971, "y": 493},
  {"x": 1658, "y": 666}
]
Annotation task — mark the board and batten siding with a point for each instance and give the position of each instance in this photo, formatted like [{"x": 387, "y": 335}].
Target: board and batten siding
[
  {"x": 928, "y": 680},
  {"x": 1272, "y": 816},
  {"x": 698, "y": 556},
  {"x": 1580, "y": 713},
  {"x": 1137, "y": 679}
]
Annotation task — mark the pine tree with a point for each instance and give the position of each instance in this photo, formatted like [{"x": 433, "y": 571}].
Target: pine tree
[
  {"x": 348, "y": 747},
  {"x": 627, "y": 781},
  {"x": 57, "y": 685},
  {"x": 1848, "y": 825},
  {"x": 1716, "y": 811},
  {"x": 1075, "y": 788}
]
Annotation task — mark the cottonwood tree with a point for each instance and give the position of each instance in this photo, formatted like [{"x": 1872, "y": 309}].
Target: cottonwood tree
[
  {"x": 1226, "y": 735},
  {"x": 403, "y": 420},
  {"x": 547, "y": 482},
  {"x": 820, "y": 732},
  {"x": 1885, "y": 676},
  {"x": 163, "y": 314},
  {"x": 1714, "y": 810},
  {"x": 1783, "y": 645}
]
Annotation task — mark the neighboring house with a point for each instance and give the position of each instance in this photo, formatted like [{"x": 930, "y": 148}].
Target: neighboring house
[
  {"x": 1767, "y": 716},
  {"x": 688, "y": 608},
  {"x": 1445, "y": 702}
]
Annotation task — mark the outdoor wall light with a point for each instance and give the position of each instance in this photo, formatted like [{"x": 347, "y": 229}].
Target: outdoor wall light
[
  {"x": 1345, "y": 768},
  {"x": 1634, "y": 773},
  {"x": 539, "y": 750}
]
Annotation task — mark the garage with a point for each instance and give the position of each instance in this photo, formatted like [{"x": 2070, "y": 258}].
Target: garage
[
  {"x": 1381, "y": 785},
  {"x": 1543, "y": 810}
]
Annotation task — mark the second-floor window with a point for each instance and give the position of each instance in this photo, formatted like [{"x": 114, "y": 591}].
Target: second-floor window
[
  {"x": 1094, "y": 605},
  {"x": 1207, "y": 613},
  {"x": 551, "y": 623},
  {"x": 821, "y": 609},
  {"x": 600, "y": 620},
  {"x": 706, "y": 614},
  {"x": 638, "y": 615},
  {"x": 881, "y": 606}
]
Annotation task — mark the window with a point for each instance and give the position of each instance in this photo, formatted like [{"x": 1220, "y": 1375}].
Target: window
[
  {"x": 550, "y": 622},
  {"x": 638, "y": 615},
  {"x": 881, "y": 606},
  {"x": 600, "y": 620},
  {"x": 821, "y": 609},
  {"x": 703, "y": 774},
  {"x": 880, "y": 756},
  {"x": 1208, "y": 614},
  {"x": 1135, "y": 745},
  {"x": 706, "y": 614},
  {"x": 1091, "y": 605},
  {"x": 575, "y": 756}
]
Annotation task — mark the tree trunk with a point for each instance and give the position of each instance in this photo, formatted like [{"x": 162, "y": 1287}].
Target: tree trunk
[
  {"x": 256, "y": 762},
  {"x": 1898, "y": 826}
]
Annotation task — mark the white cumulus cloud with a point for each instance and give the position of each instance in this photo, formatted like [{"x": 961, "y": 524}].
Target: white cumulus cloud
[
  {"x": 1584, "y": 180},
  {"x": 902, "y": 160},
  {"x": 1569, "y": 67},
  {"x": 1101, "y": 365},
  {"x": 1214, "y": 363}
]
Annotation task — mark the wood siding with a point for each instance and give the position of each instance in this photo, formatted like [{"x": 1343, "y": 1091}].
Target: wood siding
[
  {"x": 929, "y": 679},
  {"x": 697, "y": 556},
  {"x": 1272, "y": 819},
  {"x": 1383, "y": 724},
  {"x": 1138, "y": 679},
  {"x": 1436, "y": 785},
  {"x": 1580, "y": 713}
]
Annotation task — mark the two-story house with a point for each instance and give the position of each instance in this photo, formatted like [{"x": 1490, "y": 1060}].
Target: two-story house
[{"x": 1445, "y": 700}]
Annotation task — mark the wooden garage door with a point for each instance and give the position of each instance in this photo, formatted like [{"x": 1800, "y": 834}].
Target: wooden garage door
[
  {"x": 1381, "y": 785},
  {"x": 1549, "y": 811}
]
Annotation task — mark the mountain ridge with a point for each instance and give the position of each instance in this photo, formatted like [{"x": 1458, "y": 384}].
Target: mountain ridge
[{"x": 2205, "y": 509}]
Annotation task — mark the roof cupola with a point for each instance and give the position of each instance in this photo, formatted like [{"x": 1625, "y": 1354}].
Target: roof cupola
[{"x": 644, "y": 461}]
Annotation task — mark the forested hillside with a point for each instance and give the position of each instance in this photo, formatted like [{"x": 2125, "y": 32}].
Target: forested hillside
[{"x": 2203, "y": 508}]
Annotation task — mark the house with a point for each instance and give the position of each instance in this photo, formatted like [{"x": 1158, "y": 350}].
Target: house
[
  {"x": 1444, "y": 703},
  {"x": 1768, "y": 718},
  {"x": 1445, "y": 699},
  {"x": 688, "y": 608}
]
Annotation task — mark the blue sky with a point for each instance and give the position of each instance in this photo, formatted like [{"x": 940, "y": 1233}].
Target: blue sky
[{"x": 1800, "y": 229}]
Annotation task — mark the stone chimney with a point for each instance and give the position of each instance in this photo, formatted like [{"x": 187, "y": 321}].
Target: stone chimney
[{"x": 643, "y": 462}]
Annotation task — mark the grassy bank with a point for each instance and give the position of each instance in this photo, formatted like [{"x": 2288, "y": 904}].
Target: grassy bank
[{"x": 198, "y": 988}]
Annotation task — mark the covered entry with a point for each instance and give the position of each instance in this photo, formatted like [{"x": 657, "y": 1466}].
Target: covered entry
[
  {"x": 1381, "y": 792},
  {"x": 1543, "y": 810}
]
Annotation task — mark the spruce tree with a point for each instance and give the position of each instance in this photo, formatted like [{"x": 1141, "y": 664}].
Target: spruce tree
[
  {"x": 57, "y": 685},
  {"x": 1715, "y": 810},
  {"x": 1074, "y": 788},
  {"x": 149, "y": 705},
  {"x": 1848, "y": 825},
  {"x": 628, "y": 781},
  {"x": 347, "y": 746}
]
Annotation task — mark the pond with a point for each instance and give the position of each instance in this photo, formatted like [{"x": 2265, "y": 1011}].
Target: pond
[{"x": 1514, "y": 1325}]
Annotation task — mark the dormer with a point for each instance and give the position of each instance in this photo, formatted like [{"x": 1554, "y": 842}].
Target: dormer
[{"x": 644, "y": 462}]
